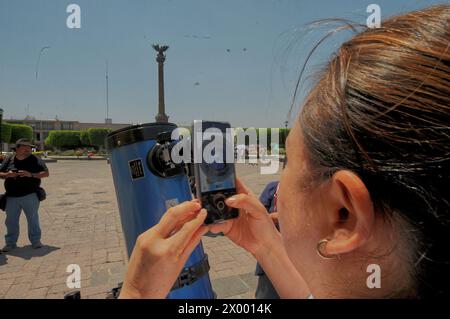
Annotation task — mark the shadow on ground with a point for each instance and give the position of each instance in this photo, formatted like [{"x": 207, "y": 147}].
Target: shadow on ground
[
  {"x": 27, "y": 252},
  {"x": 3, "y": 259}
]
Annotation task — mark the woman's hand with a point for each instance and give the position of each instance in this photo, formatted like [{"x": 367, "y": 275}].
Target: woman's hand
[
  {"x": 253, "y": 230},
  {"x": 161, "y": 252},
  {"x": 274, "y": 218}
]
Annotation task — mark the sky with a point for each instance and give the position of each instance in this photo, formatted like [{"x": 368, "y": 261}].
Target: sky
[{"x": 229, "y": 60}]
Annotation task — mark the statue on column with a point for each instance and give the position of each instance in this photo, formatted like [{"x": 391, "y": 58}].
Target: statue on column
[{"x": 160, "y": 58}]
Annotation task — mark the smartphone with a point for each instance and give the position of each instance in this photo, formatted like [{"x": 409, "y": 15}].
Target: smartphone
[
  {"x": 15, "y": 170},
  {"x": 214, "y": 169}
]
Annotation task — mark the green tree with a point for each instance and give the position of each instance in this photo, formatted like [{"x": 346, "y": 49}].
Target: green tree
[
  {"x": 6, "y": 133},
  {"x": 63, "y": 139},
  {"x": 283, "y": 136},
  {"x": 84, "y": 138},
  {"x": 97, "y": 136},
  {"x": 19, "y": 131}
]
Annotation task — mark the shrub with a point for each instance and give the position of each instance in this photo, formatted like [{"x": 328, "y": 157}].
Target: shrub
[
  {"x": 19, "y": 131},
  {"x": 84, "y": 138},
  {"x": 67, "y": 153},
  {"x": 39, "y": 153},
  {"x": 97, "y": 136},
  {"x": 63, "y": 139},
  {"x": 6, "y": 133}
]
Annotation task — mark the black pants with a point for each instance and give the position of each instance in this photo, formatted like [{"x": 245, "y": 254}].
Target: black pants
[{"x": 265, "y": 289}]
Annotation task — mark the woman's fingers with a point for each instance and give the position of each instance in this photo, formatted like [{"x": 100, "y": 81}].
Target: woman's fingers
[
  {"x": 224, "y": 227},
  {"x": 249, "y": 203},
  {"x": 241, "y": 188},
  {"x": 274, "y": 217},
  {"x": 194, "y": 241},
  {"x": 174, "y": 215},
  {"x": 183, "y": 236}
]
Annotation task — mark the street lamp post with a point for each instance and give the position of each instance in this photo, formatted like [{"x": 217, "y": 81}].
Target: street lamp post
[
  {"x": 285, "y": 133},
  {"x": 161, "y": 117}
]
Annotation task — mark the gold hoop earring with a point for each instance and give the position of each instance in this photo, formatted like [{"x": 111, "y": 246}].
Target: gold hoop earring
[{"x": 322, "y": 255}]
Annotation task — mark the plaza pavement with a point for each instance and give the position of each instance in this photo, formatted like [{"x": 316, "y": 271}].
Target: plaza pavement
[{"x": 81, "y": 225}]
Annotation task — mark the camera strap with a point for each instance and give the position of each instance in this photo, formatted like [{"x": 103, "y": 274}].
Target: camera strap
[{"x": 191, "y": 274}]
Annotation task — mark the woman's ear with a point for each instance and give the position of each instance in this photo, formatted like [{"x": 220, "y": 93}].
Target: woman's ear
[{"x": 350, "y": 213}]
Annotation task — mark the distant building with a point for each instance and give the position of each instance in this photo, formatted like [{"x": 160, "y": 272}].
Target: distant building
[{"x": 42, "y": 128}]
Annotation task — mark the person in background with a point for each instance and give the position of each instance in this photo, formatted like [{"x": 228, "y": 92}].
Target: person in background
[
  {"x": 22, "y": 173},
  {"x": 268, "y": 198}
]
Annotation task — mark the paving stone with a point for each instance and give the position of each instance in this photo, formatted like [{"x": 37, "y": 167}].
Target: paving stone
[
  {"x": 229, "y": 286},
  {"x": 250, "y": 280},
  {"x": 18, "y": 291},
  {"x": 113, "y": 257},
  {"x": 40, "y": 293},
  {"x": 25, "y": 278},
  {"x": 5, "y": 284},
  {"x": 41, "y": 283}
]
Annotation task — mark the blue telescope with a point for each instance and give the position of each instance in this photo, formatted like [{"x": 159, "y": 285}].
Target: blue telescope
[{"x": 147, "y": 183}]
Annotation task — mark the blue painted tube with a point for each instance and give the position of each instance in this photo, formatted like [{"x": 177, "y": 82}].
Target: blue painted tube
[{"x": 144, "y": 197}]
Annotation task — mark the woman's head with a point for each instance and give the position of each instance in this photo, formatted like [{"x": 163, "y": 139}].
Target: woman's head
[{"x": 369, "y": 163}]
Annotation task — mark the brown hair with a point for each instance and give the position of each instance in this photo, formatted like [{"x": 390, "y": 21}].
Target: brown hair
[{"x": 382, "y": 109}]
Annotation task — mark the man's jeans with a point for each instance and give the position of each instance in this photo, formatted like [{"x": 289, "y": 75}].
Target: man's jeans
[{"x": 30, "y": 205}]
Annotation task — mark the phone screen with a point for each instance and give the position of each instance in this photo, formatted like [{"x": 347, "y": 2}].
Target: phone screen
[
  {"x": 215, "y": 171},
  {"x": 217, "y": 175}
]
